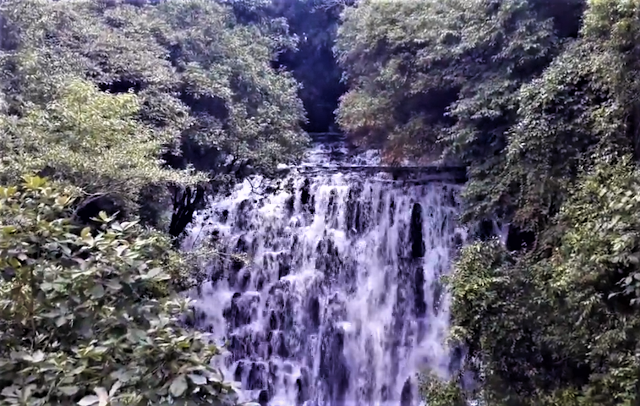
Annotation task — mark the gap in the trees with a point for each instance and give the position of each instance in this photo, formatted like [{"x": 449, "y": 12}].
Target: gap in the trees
[
  {"x": 120, "y": 86},
  {"x": 321, "y": 87}
]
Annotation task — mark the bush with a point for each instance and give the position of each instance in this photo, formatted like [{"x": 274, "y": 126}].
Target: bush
[{"x": 81, "y": 316}]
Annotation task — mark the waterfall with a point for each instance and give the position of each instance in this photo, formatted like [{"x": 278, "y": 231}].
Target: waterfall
[{"x": 338, "y": 301}]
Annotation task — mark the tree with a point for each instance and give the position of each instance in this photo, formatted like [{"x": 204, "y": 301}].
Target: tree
[
  {"x": 217, "y": 97},
  {"x": 91, "y": 139},
  {"x": 561, "y": 328},
  {"x": 83, "y": 319},
  {"x": 203, "y": 93},
  {"x": 438, "y": 81}
]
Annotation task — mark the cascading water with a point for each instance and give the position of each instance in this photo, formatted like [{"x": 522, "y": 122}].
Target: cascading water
[{"x": 339, "y": 301}]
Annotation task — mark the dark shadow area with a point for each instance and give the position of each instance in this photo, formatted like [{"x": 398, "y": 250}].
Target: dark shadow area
[
  {"x": 321, "y": 87},
  {"x": 120, "y": 86},
  {"x": 91, "y": 208}
]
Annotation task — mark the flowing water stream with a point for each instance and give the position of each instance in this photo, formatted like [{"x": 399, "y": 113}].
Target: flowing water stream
[{"x": 338, "y": 301}]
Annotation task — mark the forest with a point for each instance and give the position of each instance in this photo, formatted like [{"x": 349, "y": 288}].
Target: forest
[{"x": 118, "y": 117}]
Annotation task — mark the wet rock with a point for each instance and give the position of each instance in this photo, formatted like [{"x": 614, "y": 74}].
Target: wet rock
[
  {"x": 392, "y": 211},
  {"x": 241, "y": 311},
  {"x": 305, "y": 192},
  {"x": 406, "y": 397},
  {"x": 243, "y": 218},
  {"x": 456, "y": 358},
  {"x": 239, "y": 346},
  {"x": 260, "y": 280},
  {"x": 237, "y": 375},
  {"x": 290, "y": 204},
  {"x": 273, "y": 321},
  {"x": 284, "y": 265},
  {"x": 217, "y": 273},
  {"x": 328, "y": 259},
  {"x": 458, "y": 241},
  {"x": 352, "y": 215},
  {"x": 302, "y": 385},
  {"x": 263, "y": 398},
  {"x": 333, "y": 369},
  {"x": 245, "y": 279},
  {"x": 313, "y": 311},
  {"x": 257, "y": 378},
  {"x": 415, "y": 231},
  {"x": 282, "y": 349},
  {"x": 331, "y": 214},
  {"x": 420, "y": 305},
  {"x": 438, "y": 292},
  {"x": 384, "y": 393}
]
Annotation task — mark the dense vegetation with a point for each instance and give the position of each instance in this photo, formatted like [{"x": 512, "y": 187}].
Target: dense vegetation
[
  {"x": 85, "y": 314},
  {"x": 539, "y": 100},
  {"x": 130, "y": 107},
  {"x": 79, "y": 80}
]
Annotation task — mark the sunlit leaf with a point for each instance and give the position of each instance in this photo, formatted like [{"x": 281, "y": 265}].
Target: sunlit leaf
[
  {"x": 89, "y": 400},
  {"x": 178, "y": 386}
]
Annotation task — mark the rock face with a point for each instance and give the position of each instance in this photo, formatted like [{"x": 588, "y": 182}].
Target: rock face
[{"x": 339, "y": 302}]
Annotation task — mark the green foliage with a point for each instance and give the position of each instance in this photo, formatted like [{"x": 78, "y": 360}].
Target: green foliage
[
  {"x": 440, "y": 393},
  {"x": 82, "y": 320},
  {"x": 90, "y": 139},
  {"x": 123, "y": 99},
  {"x": 601, "y": 245},
  {"x": 132, "y": 100},
  {"x": 442, "y": 80},
  {"x": 584, "y": 106},
  {"x": 544, "y": 329},
  {"x": 203, "y": 80},
  {"x": 439, "y": 81},
  {"x": 242, "y": 106},
  {"x": 438, "y": 75}
]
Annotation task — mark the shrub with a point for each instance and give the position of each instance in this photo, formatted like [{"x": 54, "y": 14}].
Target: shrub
[{"x": 81, "y": 317}]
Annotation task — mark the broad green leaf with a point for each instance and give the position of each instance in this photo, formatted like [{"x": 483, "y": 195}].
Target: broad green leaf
[
  {"x": 198, "y": 379},
  {"x": 63, "y": 200},
  {"x": 38, "y": 356},
  {"x": 89, "y": 400},
  {"x": 61, "y": 321},
  {"x": 69, "y": 390},
  {"x": 97, "y": 291},
  {"x": 10, "y": 391},
  {"x": 85, "y": 233},
  {"x": 9, "y": 229},
  {"x": 114, "y": 388},
  {"x": 113, "y": 284},
  {"x": 103, "y": 396},
  {"x": 157, "y": 273},
  {"x": 178, "y": 386}
]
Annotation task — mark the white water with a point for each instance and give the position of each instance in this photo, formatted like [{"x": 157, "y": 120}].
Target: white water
[{"x": 339, "y": 302}]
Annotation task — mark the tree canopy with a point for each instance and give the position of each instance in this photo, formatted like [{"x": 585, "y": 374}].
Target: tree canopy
[{"x": 193, "y": 84}]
